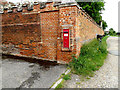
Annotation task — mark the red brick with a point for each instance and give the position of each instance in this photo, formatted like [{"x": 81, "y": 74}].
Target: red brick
[{"x": 37, "y": 33}]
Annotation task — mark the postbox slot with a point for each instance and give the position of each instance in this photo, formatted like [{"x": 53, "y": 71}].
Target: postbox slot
[
  {"x": 66, "y": 38},
  {"x": 65, "y": 32}
]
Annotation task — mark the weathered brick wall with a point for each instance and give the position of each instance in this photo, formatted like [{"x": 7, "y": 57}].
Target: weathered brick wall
[
  {"x": 20, "y": 33},
  {"x": 39, "y": 33},
  {"x": 86, "y": 29},
  {"x": 31, "y": 33},
  {"x": 49, "y": 27},
  {"x": 19, "y": 18},
  {"x": 67, "y": 20}
]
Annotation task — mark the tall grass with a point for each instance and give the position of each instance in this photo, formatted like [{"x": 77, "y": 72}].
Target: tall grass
[{"x": 91, "y": 58}]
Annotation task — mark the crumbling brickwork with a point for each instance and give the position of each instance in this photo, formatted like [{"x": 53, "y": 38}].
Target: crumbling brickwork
[{"x": 38, "y": 33}]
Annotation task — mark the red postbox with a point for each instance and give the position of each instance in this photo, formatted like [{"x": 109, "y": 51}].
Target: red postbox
[{"x": 66, "y": 38}]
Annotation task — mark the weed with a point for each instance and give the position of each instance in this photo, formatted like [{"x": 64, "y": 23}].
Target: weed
[
  {"x": 88, "y": 78},
  {"x": 60, "y": 85},
  {"x": 77, "y": 82},
  {"x": 67, "y": 77},
  {"x": 91, "y": 58}
]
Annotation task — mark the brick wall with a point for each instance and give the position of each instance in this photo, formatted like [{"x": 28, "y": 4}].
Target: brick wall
[
  {"x": 49, "y": 27},
  {"x": 67, "y": 20},
  {"x": 86, "y": 29},
  {"x": 20, "y": 33},
  {"x": 39, "y": 33}
]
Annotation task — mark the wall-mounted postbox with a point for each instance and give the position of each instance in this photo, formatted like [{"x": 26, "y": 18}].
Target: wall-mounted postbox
[{"x": 66, "y": 38}]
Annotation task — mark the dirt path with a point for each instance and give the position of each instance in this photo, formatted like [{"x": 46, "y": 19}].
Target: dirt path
[{"x": 106, "y": 77}]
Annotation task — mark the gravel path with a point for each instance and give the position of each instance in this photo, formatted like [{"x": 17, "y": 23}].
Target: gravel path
[{"x": 106, "y": 77}]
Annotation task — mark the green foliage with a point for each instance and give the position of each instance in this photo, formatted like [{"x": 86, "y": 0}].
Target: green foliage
[
  {"x": 63, "y": 73},
  {"x": 94, "y": 10},
  {"x": 67, "y": 77},
  {"x": 106, "y": 33},
  {"x": 112, "y": 32},
  {"x": 91, "y": 58},
  {"x": 104, "y": 25},
  {"x": 60, "y": 85}
]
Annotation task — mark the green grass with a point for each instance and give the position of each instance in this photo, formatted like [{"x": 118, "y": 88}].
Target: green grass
[
  {"x": 67, "y": 77},
  {"x": 91, "y": 58},
  {"x": 60, "y": 85}
]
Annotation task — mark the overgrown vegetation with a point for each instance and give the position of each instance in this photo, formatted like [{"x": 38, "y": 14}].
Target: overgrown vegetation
[
  {"x": 94, "y": 9},
  {"x": 91, "y": 58}
]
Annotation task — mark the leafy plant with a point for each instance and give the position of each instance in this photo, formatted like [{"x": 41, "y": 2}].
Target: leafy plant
[
  {"x": 60, "y": 85},
  {"x": 104, "y": 25},
  {"x": 94, "y": 9},
  {"x": 112, "y": 32},
  {"x": 66, "y": 77}
]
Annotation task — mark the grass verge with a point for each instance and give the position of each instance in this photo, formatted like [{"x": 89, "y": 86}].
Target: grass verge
[{"x": 91, "y": 58}]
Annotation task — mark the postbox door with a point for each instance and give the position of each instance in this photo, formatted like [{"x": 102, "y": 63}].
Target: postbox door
[{"x": 66, "y": 38}]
